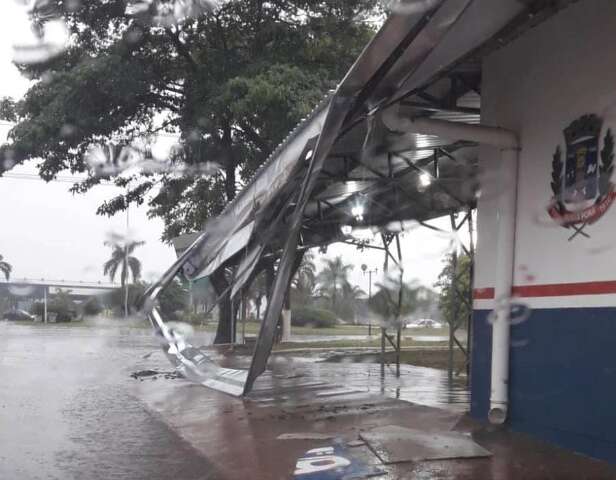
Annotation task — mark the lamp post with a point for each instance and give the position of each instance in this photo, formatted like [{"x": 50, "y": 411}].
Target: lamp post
[
  {"x": 364, "y": 268},
  {"x": 126, "y": 273}
]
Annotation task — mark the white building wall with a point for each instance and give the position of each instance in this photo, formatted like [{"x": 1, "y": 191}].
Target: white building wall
[{"x": 537, "y": 86}]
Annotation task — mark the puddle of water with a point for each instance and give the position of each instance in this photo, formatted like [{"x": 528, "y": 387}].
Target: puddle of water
[{"x": 67, "y": 408}]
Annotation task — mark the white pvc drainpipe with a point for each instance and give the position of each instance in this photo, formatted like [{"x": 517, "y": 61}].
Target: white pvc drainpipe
[{"x": 509, "y": 146}]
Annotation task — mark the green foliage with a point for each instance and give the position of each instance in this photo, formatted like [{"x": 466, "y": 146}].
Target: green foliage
[
  {"x": 92, "y": 306},
  {"x": 257, "y": 292},
  {"x": 455, "y": 309},
  {"x": 5, "y": 268},
  {"x": 196, "y": 318},
  {"x": 232, "y": 82},
  {"x": 393, "y": 300},
  {"x": 173, "y": 301},
  {"x": 62, "y": 305},
  {"x": 115, "y": 298},
  {"x": 37, "y": 308},
  {"x": 304, "y": 285},
  {"x": 332, "y": 278},
  {"x": 314, "y": 317},
  {"x": 7, "y": 110},
  {"x": 349, "y": 299},
  {"x": 122, "y": 259}
]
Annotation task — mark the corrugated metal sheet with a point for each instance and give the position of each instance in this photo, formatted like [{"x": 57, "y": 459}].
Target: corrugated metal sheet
[{"x": 413, "y": 48}]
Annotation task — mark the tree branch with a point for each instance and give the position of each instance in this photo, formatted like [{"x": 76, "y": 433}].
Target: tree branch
[
  {"x": 182, "y": 49},
  {"x": 255, "y": 138}
]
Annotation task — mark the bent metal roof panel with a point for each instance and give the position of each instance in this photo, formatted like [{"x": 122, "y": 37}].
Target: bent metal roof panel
[{"x": 425, "y": 61}]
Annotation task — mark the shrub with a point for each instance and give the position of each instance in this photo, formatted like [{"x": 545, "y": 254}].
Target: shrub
[
  {"x": 314, "y": 317},
  {"x": 92, "y": 306},
  {"x": 37, "y": 308},
  {"x": 197, "y": 318}
]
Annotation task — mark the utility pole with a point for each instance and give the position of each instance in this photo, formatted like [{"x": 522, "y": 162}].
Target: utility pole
[
  {"x": 45, "y": 303},
  {"x": 365, "y": 270}
]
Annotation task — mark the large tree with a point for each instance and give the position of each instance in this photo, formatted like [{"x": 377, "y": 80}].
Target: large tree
[
  {"x": 454, "y": 283},
  {"x": 394, "y": 300},
  {"x": 230, "y": 82},
  {"x": 332, "y": 278}
]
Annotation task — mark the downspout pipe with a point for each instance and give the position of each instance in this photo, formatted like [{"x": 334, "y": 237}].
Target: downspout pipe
[{"x": 508, "y": 144}]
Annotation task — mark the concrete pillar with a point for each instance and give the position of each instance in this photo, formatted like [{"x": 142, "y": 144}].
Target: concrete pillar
[{"x": 286, "y": 325}]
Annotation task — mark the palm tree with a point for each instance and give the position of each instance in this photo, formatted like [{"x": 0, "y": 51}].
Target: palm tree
[
  {"x": 121, "y": 259},
  {"x": 307, "y": 270},
  {"x": 305, "y": 280},
  {"x": 333, "y": 276},
  {"x": 393, "y": 300},
  {"x": 351, "y": 294},
  {"x": 5, "y": 268}
]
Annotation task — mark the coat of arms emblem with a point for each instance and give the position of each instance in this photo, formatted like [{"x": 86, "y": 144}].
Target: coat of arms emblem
[{"x": 583, "y": 192}]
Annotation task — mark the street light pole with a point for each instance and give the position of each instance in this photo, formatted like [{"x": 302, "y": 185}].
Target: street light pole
[
  {"x": 364, "y": 269},
  {"x": 45, "y": 303},
  {"x": 126, "y": 266}
]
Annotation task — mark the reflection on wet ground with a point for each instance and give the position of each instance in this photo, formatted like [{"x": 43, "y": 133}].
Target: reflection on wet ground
[
  {"x": 69, "y": 409},
  {"x": 424, "y": 386}
]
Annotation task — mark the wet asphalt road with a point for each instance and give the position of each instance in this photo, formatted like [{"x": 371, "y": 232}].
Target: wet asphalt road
[{"x": 67, "y": 408}]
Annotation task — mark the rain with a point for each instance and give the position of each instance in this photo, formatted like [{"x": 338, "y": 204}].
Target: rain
[{"x": 306, "y": 240}]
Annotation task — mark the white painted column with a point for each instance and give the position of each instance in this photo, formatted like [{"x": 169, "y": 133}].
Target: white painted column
[{"x": 286, "y": 325}]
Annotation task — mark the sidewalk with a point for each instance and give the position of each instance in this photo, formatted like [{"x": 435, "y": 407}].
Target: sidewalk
[{"x": 324, "y": 405}]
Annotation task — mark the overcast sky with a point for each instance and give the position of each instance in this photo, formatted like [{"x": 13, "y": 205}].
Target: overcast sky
[{"x": 49, "y": 233}]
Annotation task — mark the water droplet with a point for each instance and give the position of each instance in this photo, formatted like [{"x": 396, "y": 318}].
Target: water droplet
[
  {"x": 67, "y": 130},
  {"x": 50, "y": 41},
  {"x": 517, "y": 312},
  {"x": 169, "y": 12},
  {"x": 8, "y": 163},
  {"x": 72, "y": 5}
]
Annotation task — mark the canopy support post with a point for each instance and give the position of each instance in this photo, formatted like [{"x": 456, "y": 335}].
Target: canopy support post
[{"x": 396, "y": 304}]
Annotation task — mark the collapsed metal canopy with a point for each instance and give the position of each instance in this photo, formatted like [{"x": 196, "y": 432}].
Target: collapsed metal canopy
[{"x": 423, "y": 63}]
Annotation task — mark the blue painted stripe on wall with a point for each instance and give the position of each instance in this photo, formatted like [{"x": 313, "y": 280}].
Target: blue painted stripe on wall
[{"x": 562, "y": 377}]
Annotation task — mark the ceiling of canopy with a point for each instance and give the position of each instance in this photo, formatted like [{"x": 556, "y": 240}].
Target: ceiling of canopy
[
  {"x": 427, "y": 62},
  {"x": 342, "y": 167}
]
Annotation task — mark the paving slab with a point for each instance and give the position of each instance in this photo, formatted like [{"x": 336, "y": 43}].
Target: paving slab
[
  {"x": 395, "y": 444},
  {"x": 240, "y": 437}
]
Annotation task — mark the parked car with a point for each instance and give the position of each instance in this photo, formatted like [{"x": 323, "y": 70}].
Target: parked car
[
  {"x": 18, "y": 315},
  {"x": 424, "y": 323}
]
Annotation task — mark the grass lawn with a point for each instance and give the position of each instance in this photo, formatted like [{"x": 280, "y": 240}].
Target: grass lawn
[
  {"x": 252, "y": 328},
  {"x": 420, "y": 358},
  {"x": 374, "y": 342}
]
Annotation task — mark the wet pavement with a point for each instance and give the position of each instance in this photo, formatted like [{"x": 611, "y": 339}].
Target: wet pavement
[{"x": 69, "y": 409}]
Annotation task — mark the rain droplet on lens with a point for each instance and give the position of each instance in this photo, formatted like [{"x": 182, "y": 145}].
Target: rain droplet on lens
[
  {"x": 52, "y": 42},
  {"x": 8, "y": 163},
  {"x": 67, "y": 130},
  {"x": 519, "y": 313},
  {"x": 72, "y": 5}
]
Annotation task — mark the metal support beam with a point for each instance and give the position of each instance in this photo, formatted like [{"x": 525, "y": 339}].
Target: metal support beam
[
  {"x": 460, "y": 297},
  {"x": 385, "y": 337}
]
